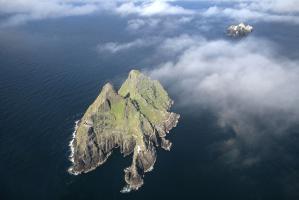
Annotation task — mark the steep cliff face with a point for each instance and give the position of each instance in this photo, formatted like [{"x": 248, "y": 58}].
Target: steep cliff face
[{"x": 135, "y": 119}]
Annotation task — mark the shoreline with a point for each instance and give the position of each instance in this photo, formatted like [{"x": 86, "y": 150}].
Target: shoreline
[{"x": 71, "y": 146}]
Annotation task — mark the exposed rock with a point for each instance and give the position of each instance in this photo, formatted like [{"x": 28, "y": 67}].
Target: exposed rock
[
  {"x": 239, "y": 30},
  {"x": 132, "y": 119},
  {"x": 166, "y": 144}
]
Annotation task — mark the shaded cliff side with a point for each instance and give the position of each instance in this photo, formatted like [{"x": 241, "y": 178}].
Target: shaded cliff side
[{"x": 135, "y": 119}]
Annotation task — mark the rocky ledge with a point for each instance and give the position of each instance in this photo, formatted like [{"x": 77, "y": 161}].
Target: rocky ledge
[{"x": 136, "y": 119}]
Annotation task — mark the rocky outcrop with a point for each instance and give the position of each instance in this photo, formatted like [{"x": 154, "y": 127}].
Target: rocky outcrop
[
  {"x": 135, "y": 119},
  {"x": 239, "y": 30}
]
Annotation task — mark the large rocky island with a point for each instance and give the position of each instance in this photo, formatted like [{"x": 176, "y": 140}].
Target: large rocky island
[{"x": 135, "y": 119}]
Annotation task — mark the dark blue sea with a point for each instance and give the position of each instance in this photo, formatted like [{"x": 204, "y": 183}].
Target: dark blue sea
[{"x": 51, "y": 71}]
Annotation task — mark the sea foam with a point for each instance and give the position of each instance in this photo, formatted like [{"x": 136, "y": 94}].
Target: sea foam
[{"x": 72, "y": 149}]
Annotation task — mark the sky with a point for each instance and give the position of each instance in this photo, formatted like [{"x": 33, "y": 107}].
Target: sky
[{"x": 242, "y": 82}]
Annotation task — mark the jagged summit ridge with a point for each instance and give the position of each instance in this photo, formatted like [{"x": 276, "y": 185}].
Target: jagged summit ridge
[{"x": 135, "y": 119}]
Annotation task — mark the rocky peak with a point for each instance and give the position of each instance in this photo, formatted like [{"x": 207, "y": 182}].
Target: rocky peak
[
  {"x": 133, "y": 74},
  {"x": 108, "y": 90},
  {"x": 239, "y": 30}
]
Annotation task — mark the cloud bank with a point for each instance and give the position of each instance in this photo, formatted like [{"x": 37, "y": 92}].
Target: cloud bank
[
  {"x": 246, "y": 13},
  {"x": 246, "y": 84},
  {"x": 22, "y": 11}
]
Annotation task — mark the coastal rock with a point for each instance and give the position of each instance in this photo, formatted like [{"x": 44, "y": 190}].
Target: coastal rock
[
  {"x": 166, "y": 144},
  {"x": 239, "y": 30},
  {"x": 135, "y": 119}
]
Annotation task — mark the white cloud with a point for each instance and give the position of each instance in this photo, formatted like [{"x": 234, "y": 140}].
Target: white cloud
[
  {"x": 154, "y": 24},
  {"x": 136, "y": 24},
  {"x": 278, "y": 6},
  {"x": 245, "y": 13},
  {"x": 151, "y": 8},
  {"x": 178, "y": 44},
  {"x": 172, "y": 45},
  {"x": 248, "y": 86},
  {"x": 140, "y": 23},
  {"x": 115, "y": 47},
  {"x": 21, "y": 11}
]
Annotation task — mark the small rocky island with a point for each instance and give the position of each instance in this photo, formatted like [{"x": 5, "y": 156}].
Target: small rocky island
[
  {"x": 136, "y": 119},
  {"x": 239, "y": 30}
]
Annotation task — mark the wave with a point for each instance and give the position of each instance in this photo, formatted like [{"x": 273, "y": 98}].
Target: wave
[{"x": 71, "y": 145}]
